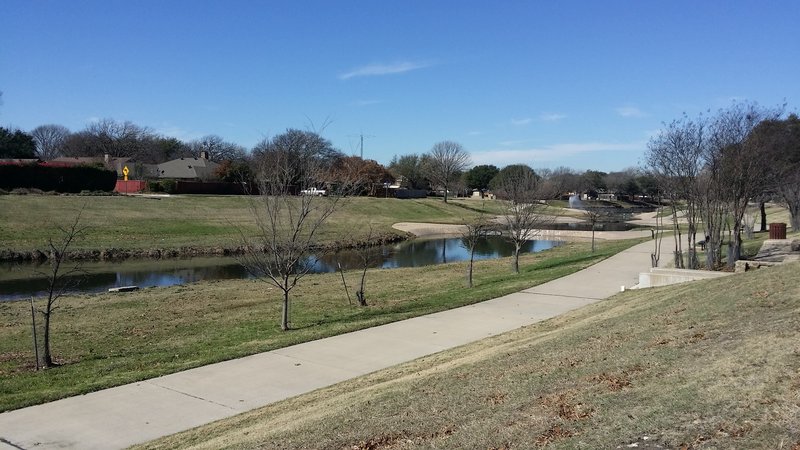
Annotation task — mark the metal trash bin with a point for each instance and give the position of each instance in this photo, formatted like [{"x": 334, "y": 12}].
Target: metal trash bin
[{"x": 777, "y": 231}]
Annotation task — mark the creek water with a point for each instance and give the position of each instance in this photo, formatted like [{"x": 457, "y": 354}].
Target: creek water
[{"x": 21, "y": 281}]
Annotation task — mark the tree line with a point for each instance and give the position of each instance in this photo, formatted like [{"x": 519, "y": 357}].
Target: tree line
[
  {"x": 443, "y": 168},
  {"x": 712, "y": 169}
]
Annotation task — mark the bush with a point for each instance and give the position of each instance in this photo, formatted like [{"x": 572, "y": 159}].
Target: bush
[
  {"x": 154, "y": 186},
  {"x": 72, "y": 179},
  {"x": 169, "y": 186}
]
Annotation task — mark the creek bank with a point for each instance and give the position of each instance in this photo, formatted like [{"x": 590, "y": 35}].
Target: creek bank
[{"x": 119, "y": 254}]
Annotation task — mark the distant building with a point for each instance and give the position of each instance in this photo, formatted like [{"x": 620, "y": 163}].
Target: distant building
[{"x": 198, "y": 169}]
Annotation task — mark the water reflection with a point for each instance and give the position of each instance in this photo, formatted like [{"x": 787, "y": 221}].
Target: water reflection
[{"x": 22, "y": 281}]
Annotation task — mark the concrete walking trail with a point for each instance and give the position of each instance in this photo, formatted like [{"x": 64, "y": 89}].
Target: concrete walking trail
[{"x": 138, "y": 412}]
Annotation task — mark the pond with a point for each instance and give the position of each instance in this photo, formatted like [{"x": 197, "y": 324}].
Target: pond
[{"x": 21, "y": 281}]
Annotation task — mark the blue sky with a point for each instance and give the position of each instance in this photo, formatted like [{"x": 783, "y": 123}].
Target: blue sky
[{"x": 575, "y": 83}]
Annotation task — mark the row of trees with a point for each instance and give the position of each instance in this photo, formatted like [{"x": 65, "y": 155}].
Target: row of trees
[
  {"x": 442, "y": 168},
  {"x": 116, "y": 139},
  {"x": 712, "y": 167}
]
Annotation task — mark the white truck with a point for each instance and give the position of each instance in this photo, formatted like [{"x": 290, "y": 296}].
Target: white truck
[{"x": 313, "y": 191}]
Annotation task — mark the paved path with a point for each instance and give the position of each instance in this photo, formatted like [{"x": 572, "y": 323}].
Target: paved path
[
  {"x": 138, "y": 412},
  {"x": 435, "y": 229}
]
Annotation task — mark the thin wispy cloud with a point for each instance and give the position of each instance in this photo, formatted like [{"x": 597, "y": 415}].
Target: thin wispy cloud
[
  {"x": 378, "y": 69},
  {"x": 177, "y": 132},
  {"x": 549, "y": 153},
  {"x": 510, "y": 143},
  {"x": 552, "y": 117},
  {"x": 630, "y": 111},
  {"x": 362, "y": 103},
  {"x": 521, "y": 122}
]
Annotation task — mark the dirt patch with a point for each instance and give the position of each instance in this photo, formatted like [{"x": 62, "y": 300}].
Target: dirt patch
[
  {"x": 551, "y": 435},
  {"x": 564, "y": 406},
  {"x": 429, "y": 229}
]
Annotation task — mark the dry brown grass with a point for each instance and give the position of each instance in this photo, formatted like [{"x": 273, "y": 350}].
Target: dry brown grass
[{"x": 713, "y": 364}]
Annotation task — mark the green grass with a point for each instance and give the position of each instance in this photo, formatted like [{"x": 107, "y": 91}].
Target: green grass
[
  {"x": 111, "y": 339},
  {"x": 711, "y": 364},
  {"x": 123, "y": 222}
]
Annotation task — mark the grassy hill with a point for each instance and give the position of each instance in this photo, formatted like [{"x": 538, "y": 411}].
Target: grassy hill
[
  {"x": 197, "y": 221},
  {"x": 712, "y": 364}
]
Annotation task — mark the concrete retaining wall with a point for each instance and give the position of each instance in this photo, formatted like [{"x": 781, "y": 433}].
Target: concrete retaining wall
[{"x": 665, "y": 277}]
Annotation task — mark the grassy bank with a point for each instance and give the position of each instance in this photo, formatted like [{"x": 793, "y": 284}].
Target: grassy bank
[
  {"x": 111, "y": 339},
  {"x": 710, "y": 364},
  {"x": 197, "y": 221}
]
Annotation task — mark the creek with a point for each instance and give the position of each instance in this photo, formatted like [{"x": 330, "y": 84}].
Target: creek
[{"x": 19, "y": 281}]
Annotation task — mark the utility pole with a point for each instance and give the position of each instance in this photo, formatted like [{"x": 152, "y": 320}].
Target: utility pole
[{"x": 361, "y": 137}]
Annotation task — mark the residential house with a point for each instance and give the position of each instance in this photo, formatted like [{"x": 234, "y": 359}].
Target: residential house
[{"x": 197, "y": 169}]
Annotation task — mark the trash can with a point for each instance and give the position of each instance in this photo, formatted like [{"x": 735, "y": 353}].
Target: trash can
[{"x": 777, "y": 231}]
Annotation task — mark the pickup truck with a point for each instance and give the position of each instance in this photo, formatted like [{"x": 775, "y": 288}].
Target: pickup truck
[{"x": 313, "y": 191}]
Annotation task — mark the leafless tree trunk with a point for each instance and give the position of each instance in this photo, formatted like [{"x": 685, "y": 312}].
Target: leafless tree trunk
[
  {"x": 366, "y": 252},
  {"x": 658, "y": 237},
  {"x": 344, "y": 282},
  {"x": 790, "y": 194},
  {"x": 594, "y": 216},
  {"x": 33, "y": 333},
  {"x": 470, "y": 237},
  {"x": 446, "y": 161},
  {"x": 60, "y": 279}
]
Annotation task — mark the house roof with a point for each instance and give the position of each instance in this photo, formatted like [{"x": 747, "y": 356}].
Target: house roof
[{"x": 187, "y": 168}]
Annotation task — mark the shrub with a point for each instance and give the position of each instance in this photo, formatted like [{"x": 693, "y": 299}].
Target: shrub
[
  {"x": 154, "y": 186},
  {"x": 169, "y": 186},
  {"x": 60, "y": 179}
]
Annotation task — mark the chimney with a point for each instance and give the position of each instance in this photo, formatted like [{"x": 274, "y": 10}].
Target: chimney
[{"x": 203, "y": 154}]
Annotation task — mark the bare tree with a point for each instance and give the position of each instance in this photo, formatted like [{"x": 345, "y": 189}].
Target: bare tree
[
  {"x": 287, "y": 224},
  {"x": 675, "y": 157},
  {"x": 781, "y": 140},
  {"x": 594, "y": 216},
  {"x": 447, "y": 159},
  {"x": 524, "y": 216},
  {"x": 60, "y": 278},
  {"x": 658, "y": 233},
  {"x": 217, "y": 149},
  {"x": 470, "y": 238},
  {"x": 367, "y": 253},
  {"x": 295, "y": 157},
  {"x": 49, "y": 140},
  {"x": 742, "y": 170}
]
